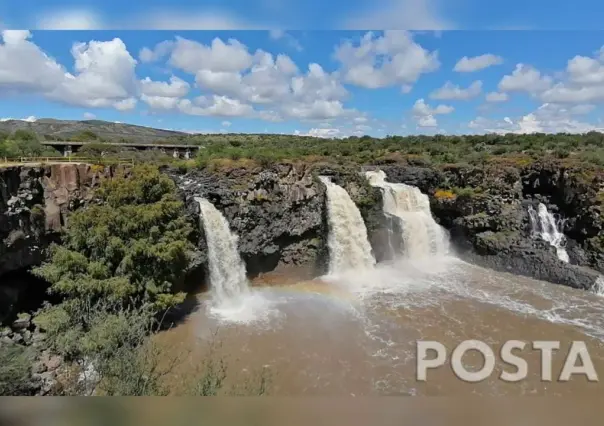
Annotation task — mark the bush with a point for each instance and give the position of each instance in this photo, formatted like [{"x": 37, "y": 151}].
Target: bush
[
  {"x": 443, "y": 194},
  {"x": 15, "y": 364},
  {"x": 129, "y": 251}
]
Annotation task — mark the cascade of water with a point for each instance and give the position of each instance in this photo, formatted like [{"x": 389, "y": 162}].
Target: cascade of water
[
  {"x": 227, "y": 271},
  {"x": 598, "y": 287},
  {"x": 422, "y": 236},
  {"x": 349, "y": 247},
  {"x": 543, "y": 224}
]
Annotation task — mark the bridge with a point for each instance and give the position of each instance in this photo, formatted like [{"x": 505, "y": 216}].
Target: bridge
[{"x": 67, "y": 148}]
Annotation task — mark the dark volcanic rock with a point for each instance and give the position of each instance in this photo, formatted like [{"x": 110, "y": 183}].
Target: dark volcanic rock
[
  {"x": 486, "y": 211},
  {"x": 34, "y": 204},
  {"x": 279, "y": 212}
]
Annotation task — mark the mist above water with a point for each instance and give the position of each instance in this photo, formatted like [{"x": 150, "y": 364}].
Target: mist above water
[{"x": 231, "y": 296}]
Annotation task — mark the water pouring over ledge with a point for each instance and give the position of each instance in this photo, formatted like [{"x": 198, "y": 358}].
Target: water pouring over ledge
[
  {"x": 349, "y": 247},
  {"x": 544, "y": 224},
  {"x": 231, "y": 296},
  {"x": 422, "y": 236},
  {"x": 356, "y": 335}
]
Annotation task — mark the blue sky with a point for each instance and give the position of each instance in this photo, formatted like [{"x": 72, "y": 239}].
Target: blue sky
[
  {"x": 308, "y": 14},
  {"x": 323, "y": 83}
]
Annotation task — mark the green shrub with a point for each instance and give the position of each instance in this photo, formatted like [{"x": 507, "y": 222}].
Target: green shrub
[{"x": 15, "y": 365}]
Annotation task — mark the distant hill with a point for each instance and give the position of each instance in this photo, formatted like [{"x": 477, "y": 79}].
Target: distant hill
[{"x": 51, "y": 129}]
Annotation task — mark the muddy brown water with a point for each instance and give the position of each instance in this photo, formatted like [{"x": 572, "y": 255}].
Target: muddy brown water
[{"x": 356, "y": 334}]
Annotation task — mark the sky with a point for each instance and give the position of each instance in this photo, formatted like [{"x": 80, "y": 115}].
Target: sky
[
  {"x": 329, "y": 83},
  {"x": 303, "y": 15}
]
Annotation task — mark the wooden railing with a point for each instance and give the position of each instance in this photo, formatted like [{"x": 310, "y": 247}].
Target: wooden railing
[{"x": 61, "y": 159}]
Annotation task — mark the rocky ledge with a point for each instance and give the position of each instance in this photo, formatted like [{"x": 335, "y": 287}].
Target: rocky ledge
[
  {"x": 279, "y": 212},
  {"x": 486, "y": 210}
]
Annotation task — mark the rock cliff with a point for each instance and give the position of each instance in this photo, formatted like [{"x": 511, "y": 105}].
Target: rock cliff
[
  {"x": 279, "y": 211},
  {"x": 34, "y": 206},
  {"x": 486, "y": 210},
  {"x": 35, "y": 202}
]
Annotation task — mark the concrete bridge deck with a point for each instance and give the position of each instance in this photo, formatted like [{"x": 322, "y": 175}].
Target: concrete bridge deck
[{"x": 178, "y": 150}]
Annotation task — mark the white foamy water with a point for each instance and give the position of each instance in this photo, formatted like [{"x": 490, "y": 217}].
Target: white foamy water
[
  {"x": 231, "y": 298},
  {"x": 598, "y": 287},
  {"x": 544, "y": 224},
  {"x": 349, "y": 248},
  {"x": 422, "y": 236}
]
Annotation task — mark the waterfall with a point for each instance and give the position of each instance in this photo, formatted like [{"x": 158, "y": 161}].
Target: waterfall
[
  {"x": 544, "y": 224},
  {"x": 598, "y": 287},
  {"x": 349, "y": 247},
  {"x": 227, "y": 271},
  {"x": 422, "y": 236}
]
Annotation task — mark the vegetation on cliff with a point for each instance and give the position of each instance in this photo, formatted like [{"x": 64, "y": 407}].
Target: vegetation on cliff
[
  {"x": 439, "y": 149},
  {"x": 115, "y": 271}
]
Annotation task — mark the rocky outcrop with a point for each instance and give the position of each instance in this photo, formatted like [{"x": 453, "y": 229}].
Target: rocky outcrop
[
  {"x": 34, "y": 206},
  {"x": 278, "y": 212},
  {"x": 35, "y": 202},
  {"x": 486, "y": 211}
]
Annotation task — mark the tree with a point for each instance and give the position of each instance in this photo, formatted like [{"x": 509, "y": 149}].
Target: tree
[
  {"x": 24, "y": 135},
  {"x": 129, "y": 251}
]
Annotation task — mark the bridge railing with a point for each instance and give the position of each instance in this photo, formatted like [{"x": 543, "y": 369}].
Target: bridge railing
[{"x": 61, "y": 159}]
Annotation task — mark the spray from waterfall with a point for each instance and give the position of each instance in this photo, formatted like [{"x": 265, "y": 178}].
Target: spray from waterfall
[
  {"x": 422, "y": 236},
  {"x": 544, "y": 224},
  {"x": 227, "y": 271},
  {"x": 349, "y": 247}
]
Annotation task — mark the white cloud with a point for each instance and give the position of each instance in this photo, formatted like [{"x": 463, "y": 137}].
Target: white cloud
[
  {"x": 226, "y": 124},
  {"x": 160, "y": 102},
  {"x": 525, "y": 78},
  {"x": 192, "y": 57},
  {"x": 289, "y": 39},
  {"x": 89, "y": 116},
  {"x": 220, "y": 106},
  {"x": 477, "y": 63},
  {"x": 316, "y": 110},
  {"x": 24, "y": 67},
  {"x": 104, "y": 76},
  {"x": 420, "y": 108},
  {"x": 160, "y": 51},
  {"x": 424, "y": 115},
  {"x": 496, "y": 97},
  {"x": 548, "y": 118},
  {"x": 427, "y": 121},
  {"x": 384, "y": 61},
  {"x": 104, "y": 72},
  {"x": 453, "y": 92},
  {"x": 581, "y": 109},
  {"x": 229, "y": 70},
  {"x": 329, "y": 133},
  {"x": 175, "y": 88},
  {"x": 29, "y": 119},
  {"x": 125, "y": 104},
  {"x": 563, "y": 93},
  {"x": 393, "y": 14},
  {"x": 584, "y": 70}
]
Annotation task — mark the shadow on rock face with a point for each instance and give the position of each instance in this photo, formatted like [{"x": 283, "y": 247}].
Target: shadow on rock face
[{"x": 21, "y": 291}]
